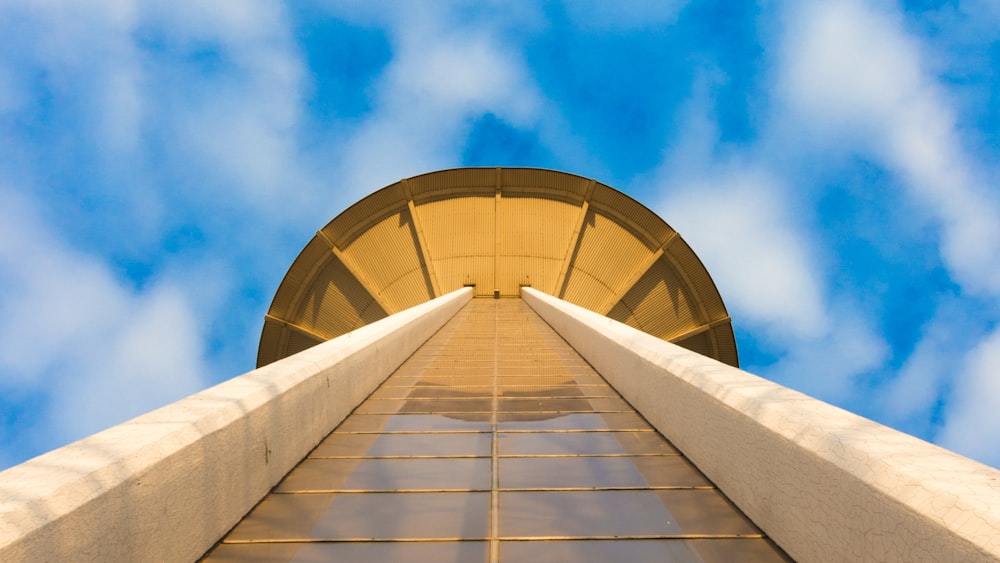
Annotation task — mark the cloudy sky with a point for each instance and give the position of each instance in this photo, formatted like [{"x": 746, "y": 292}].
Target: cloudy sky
[{"x": 834, "y": 164}]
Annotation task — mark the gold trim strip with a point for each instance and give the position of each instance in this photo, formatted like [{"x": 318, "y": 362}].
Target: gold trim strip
[
  {"x": 498, "y": 490},
  {"x": 700, "y": 329},
  {"x": 474, "y": 456},
  {"x": 502, "y": 412},
  {"x": 506, "y": 538},
  {"x": 421, "y": 241},
  {"x": 295, "y": 327},
  {"x": 360, "y": 276}
]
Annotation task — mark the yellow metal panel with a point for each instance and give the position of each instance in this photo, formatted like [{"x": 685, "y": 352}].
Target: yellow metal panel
[
  {"x": 298, "y": 342},
  {"x": 608, "y": 252},
  {"x": 365, "y": 213},
  {"x": 499, "y": 228},
  {"x": 659, "y": 303},
  {"x": 459, "y": 181},
  {"x": 409, "y": 289},
  {"x": 386, "y": 252},
  {"x": 698, "y": 279},
  {"x": 460, "y": 234},
  {"x": 532, "y": 236},
  {"x": 533, "y": 271},
  {"x": 585, "y": 290},
  {"x": 453, "y": 273},
  {"x": 462, "y": 226},
  {"x": 425, "y": 257},
  {"x": 552, "y": 184},
  {"x": 725, "y": 344},
  {"x": 701, "y": 343},
  {"x": 270, "y": 348},
  {"x": 334, "y": 302},
  {"x": 308, "y": 262},
  {"x": 646, "y": 224}
]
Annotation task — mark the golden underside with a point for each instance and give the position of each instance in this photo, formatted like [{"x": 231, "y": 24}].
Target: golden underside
[
  {"x": 497, "y": 229},
  {"x": 495, "y": 441}
]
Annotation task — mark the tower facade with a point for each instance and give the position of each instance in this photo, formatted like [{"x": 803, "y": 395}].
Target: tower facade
[
  {"x": 499, "y": 364},
  {"x": 497, "y": 230}
]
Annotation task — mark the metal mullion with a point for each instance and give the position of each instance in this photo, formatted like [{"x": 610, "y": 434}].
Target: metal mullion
[
  {"x": 638, "y": 537},
  {"x": 357, "y": 540},
  {"x": 412, "y": 431},
  {"x": 426, "y": 399},
  {"x": 609, "y": 488},
  {"x": 494, "y": 548},
  {"x": 517, "y": 456},
  {"x": 576, "y": 431},
  {"x": 456, "y": 456},
  {"x": 376, "y": 491}
]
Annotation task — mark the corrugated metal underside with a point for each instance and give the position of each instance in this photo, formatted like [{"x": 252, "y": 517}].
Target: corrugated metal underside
[{"x": 497, "y": 229}]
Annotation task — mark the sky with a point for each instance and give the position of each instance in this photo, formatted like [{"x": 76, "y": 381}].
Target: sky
[{"x": 833, "y": 163}]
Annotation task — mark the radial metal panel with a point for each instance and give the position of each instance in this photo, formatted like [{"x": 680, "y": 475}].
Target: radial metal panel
[
  {"x": 401, "y": 280},
  {"x": 461, "y": 237},
  {"x": 641, "y": 221},
  {"x": 657, "y": 292},
  {"x": 498, "y": 229},
  {"x": 607, "y": 253},
  {"x": 532, "y": 236},
  {"x": 362, "y": 215},
  {"x": 335, "y": 302}
]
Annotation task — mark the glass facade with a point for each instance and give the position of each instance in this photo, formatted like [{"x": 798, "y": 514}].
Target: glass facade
[{"x": 495, "y": 441}]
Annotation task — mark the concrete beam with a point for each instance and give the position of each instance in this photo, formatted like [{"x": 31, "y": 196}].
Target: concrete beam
[
  {"x": 825, "y": 484},
  {"x": 167, "y": 485}
]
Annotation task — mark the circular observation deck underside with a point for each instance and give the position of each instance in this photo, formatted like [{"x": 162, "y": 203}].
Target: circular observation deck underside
[{"x": 497, "y": 229}]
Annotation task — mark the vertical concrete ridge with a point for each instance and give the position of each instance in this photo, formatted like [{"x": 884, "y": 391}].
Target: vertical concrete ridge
[
  {"x": 167, "y": 485},
  {"x": 825, "y": 484}
]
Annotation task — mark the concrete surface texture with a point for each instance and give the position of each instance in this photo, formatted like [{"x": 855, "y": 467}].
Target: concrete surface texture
[
  {"x": 825, "y": 484},
  {"x": 167, "y": 485}
]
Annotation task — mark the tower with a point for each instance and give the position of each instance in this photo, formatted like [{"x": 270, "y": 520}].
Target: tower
[{"x": 458, "y": 333}]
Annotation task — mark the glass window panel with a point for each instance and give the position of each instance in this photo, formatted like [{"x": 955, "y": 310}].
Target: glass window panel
[
  {"x": 338, "y": 516},
  {"x": 748, "y": 550},
  {"x": 550, "y": 391},
  {"x": 583, "y": 443},
  {"x": 566, "y": 404},
  {"x": 548, "y": 379},
  {"x": 576, "y": 421},
  {"x": 415, "y": 423},
  {"x": 618, "y": 513},
  {"x": 432, "y": 392},
  {"x": 440, "y": 381},
  {"x": 374, "y": 445},
  {"x": 583, "y": 472},
  {"x": 388, "y": 474},
  {"x": 463, "y": 404},
  {"x": 416, "y": 552}
]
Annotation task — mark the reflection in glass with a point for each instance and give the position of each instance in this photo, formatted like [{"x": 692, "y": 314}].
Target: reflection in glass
[{"x": 580, "y": 475}]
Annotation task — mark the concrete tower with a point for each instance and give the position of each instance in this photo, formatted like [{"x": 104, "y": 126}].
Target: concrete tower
[{"x": 499, "y": 364}]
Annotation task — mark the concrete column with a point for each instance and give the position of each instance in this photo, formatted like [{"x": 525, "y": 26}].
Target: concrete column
[
  {"x": 167, "y": 485},
  {"x": 825, "y": 484}
]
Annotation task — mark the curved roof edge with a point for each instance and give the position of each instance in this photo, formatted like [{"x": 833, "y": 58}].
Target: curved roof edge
[{"x": 497, "y": 229}]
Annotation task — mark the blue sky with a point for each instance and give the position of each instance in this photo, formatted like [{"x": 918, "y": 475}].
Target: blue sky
[{"x": 834, "y": 164}]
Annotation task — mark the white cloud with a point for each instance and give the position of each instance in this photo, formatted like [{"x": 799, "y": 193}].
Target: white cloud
[
  {"x": 749, "y": 239},
  {"x": 855, "y": 80},
  {"x": 828, "y": 366},
  {"x": 444, "y": 73},
  {"x": 851, "y": 74},
  {"x": 972, "y": 424},
  {"x": 100, "y": 351},
  {"x": 920, "y": 381}
]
